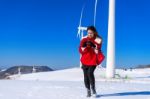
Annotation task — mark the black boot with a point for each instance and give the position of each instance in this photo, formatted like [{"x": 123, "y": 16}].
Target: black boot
[
  {"x": 94, "y": 94},
  {"x": 93, "y": 91},
  {"x": 88, "y": 93}
]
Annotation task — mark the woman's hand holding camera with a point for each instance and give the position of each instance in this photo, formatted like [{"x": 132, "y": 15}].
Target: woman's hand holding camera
[{"x": 89, "y": 44}]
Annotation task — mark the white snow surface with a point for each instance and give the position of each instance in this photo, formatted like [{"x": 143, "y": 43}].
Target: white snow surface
[{"x": 68, "y": 84}]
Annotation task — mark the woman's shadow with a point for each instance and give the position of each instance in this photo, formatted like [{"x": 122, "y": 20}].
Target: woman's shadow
[{"x": 124, "y": 94}]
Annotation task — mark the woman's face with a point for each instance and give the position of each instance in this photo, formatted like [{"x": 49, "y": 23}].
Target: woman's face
[{"x": 90, "y": 33}]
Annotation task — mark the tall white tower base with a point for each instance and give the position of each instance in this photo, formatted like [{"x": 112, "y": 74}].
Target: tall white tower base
[{"x": 110, "y": 62}]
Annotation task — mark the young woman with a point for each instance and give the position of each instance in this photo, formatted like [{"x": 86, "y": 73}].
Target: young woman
[{"x": 91, "y": 56}]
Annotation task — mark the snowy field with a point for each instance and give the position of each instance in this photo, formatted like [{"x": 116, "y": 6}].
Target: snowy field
[{"x": 68, "y": 84}]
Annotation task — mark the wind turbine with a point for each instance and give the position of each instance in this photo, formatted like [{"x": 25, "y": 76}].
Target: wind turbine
[
  {"x": 33, "y": 69},
  {"x": 19, "y": 71},
  {"x": 81, "y": 28}
]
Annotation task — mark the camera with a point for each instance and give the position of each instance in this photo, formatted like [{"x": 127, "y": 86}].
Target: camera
[{"x": 88, "y": 44}]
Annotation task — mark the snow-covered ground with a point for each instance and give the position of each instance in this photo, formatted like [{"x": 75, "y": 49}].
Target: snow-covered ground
[{"x": 68, "y": 84}]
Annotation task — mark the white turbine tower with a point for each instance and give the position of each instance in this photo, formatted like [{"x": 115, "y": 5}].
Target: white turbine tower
[{"x": 110, "y": 64}]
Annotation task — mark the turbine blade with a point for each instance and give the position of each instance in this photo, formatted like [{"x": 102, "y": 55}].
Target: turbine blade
[
  {"x": 95, "y": 12},
  {"x": 80, "y": 21}
]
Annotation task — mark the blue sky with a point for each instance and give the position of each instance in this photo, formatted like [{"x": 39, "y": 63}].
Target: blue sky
[{"x": 43, "y": 32}]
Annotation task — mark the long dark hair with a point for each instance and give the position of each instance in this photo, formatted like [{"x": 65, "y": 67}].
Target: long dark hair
[{"x": 92, "y": 28}]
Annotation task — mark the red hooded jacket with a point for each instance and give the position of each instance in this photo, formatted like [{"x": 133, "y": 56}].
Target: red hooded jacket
[{"x": 88, "y": 55}]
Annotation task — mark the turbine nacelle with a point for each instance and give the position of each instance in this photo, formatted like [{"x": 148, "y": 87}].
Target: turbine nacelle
[
  {"x": 81, "y": 31},
  {"x": 82, "y": 28}
]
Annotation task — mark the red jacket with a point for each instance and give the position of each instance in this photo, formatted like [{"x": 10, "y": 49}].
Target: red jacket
[{"x": 88, "y": 55}]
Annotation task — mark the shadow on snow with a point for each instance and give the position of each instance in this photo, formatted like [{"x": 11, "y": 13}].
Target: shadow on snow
[{"x": 125, "y": 94}]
